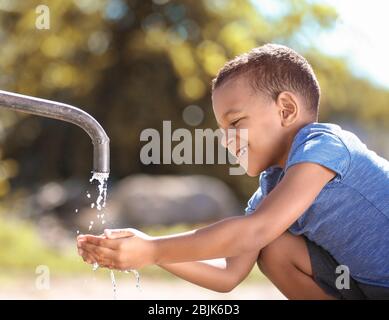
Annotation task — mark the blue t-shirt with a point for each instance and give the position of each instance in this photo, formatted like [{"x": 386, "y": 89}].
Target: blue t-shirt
[{"x": 350, "y": 216}]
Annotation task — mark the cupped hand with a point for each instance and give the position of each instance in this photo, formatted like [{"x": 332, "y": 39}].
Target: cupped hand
[{"x": 120, "y": 249}]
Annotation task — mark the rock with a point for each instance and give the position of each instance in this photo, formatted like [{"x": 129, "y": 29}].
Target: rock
[{"x": 142, "y": 200}]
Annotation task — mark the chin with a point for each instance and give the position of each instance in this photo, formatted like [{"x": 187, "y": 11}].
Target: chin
[
  {"x": 251, "y": 172},
  {"x": 255, "y": 170}
]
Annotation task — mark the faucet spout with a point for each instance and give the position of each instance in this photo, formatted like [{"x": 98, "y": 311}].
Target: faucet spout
[{"x": 64, "y": 112}]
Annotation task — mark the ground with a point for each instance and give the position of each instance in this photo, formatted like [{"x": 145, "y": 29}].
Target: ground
[
  {"x": 91, "y": 287},
  {"x": 23, "y": 254}
]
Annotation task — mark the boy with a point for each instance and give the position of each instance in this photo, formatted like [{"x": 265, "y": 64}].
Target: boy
[{"x": 322, "y": 203}]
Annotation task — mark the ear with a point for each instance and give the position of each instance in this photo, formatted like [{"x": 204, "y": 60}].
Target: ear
[{"x": 288, "y": 106}]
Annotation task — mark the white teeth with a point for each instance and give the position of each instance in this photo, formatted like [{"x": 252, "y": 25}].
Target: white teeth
[{"x": 242, "y": 152}]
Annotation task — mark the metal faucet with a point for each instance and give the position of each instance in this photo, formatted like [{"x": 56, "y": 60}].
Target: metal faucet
[{"x": 64, "y": 112}]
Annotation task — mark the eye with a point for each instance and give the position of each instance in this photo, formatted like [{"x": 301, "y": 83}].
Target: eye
[{"x": 234, "y": 123}]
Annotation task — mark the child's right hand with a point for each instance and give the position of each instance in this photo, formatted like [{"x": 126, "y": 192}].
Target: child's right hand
[
  {"x": 118, "y": 249},
  {"x": 113, "y": 234}
]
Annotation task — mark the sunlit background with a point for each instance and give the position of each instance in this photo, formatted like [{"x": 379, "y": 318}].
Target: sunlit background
[{"x": 133, "y": 64}]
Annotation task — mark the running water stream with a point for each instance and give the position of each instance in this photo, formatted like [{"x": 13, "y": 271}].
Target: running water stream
[{"x": 100, "y": 203}]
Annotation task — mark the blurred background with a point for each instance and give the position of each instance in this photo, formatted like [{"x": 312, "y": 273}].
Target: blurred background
[{"x": 132, "y": 64}]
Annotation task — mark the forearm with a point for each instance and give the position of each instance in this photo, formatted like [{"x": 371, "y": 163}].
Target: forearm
[
  {"x": 212, "y": 275},
  {"x": 227, "y": 238}
]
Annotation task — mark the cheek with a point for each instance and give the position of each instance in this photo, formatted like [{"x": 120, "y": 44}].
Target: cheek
[
  {"x": 263, "y": 139},
  {"x": 255, "y": 160},
  {"x": 260, "y": 155}
]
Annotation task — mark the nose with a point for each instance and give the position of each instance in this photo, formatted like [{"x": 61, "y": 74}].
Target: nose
[{"x": 226, "y": 141}]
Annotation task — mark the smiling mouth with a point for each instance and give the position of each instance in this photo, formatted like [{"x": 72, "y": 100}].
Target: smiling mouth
[{"x": 241, "y": 152}]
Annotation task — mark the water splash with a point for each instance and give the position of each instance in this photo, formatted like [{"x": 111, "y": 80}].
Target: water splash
[
  {"x": 137, "y": 277},
  {"x": 95, "y": 266},
  {"x": 113, "y": 285},
  {"x": 102, "y": 178}
]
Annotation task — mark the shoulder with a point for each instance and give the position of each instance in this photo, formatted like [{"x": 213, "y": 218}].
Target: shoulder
[
  {"x": 320, "y": 143},
  {"x": 317, "y": 130}
]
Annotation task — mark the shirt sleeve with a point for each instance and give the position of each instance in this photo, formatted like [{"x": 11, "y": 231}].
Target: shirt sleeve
[
  {"x": 254, "y": 201},
  {"x": 323, "y": 148}
]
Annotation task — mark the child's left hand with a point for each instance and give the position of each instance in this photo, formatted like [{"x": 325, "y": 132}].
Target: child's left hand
[{"x": 120, "y": 249}]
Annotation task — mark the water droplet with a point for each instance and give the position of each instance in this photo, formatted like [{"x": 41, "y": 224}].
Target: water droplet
[
  {"x": 113, "y": 284},
  {"x": 137, "y": 277},
  {"x": 76, "y": 211}
]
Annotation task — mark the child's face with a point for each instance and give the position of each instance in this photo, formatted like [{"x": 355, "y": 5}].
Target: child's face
[{"x": 236, "y": 106}]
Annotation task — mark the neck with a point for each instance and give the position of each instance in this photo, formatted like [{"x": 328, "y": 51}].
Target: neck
[{"x": 283, "y": 157}]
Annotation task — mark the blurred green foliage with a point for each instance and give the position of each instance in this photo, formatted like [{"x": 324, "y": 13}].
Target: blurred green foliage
[
  {"x": 22, "y": 249},
  {"x": 133, "y": 63}
]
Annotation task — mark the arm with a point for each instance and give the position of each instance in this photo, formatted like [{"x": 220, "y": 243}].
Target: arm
[
  {"x": 228, "y": 238},
  {"x": 237, "y": 235},
  {"x": 221, "y": 276}
]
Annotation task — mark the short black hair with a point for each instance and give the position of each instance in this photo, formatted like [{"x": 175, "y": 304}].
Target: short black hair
[{"x": 272, "y": 69}]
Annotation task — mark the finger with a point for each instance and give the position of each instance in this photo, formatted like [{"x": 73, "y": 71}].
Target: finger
[
  {"x": 88, "y": 255},
  {"x": 83, "y": 250},
  {"x": 108, "y": 258},
  {"x": 79, "y": 242},
  {"x": 88, "y": 258},
  {"x": 83, "y": 236},
  {"x": 98, "y": 251},
  {"x": 117, "y": 233},
  {"x": 105, "y": 263},
  {"x": 98, "y": 241},
  {"x": 93, "y": 258}
]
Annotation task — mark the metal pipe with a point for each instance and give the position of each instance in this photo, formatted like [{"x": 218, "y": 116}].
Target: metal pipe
[{"x": 64, "y": 112}]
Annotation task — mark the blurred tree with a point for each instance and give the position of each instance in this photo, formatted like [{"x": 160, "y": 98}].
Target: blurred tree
[{"x": 134, "y": 63}]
